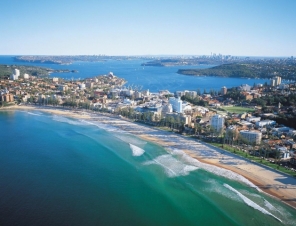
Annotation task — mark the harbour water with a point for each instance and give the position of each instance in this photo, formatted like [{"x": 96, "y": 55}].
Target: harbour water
[
  {"x": 61, "y": 171},
  {"x": 152, "y": 78}
]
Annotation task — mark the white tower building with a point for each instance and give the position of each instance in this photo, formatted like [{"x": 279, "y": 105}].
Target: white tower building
[
  {"x": 15, "y": 75},
  {"x": 217, "y": 122},
  {"x": 176, "y": 104}
]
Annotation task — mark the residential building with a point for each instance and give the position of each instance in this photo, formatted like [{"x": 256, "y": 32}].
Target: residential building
[
  {"x": 176, "y": 104},
  {"x": 26, "y": 76},
  {"x": 245, "y": 87},
  {"x": 252, "y": 136},
  {"x": 265, "y": 123},
  {"x": 15, "y": 75},
  {"x": 217, "y": 122},
  {"x": 224, "y": 90},
  {"x": 276, "y": 81}
]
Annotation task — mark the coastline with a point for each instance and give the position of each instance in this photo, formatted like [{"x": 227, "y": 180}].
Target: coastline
[{"x": 274, "y": 183}]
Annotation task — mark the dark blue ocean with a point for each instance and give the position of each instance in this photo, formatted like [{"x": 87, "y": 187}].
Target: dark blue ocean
[{"x": 152, "y": 78}]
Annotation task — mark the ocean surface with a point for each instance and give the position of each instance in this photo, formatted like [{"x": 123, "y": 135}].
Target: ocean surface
[
  {"x": 60, "y": 171},
  {"x": 152, "y": 78}
]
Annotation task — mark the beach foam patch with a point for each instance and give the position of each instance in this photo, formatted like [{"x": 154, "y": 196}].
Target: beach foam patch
[
  {"x": 137, "y": 151},
  {"x": 211, "y": 168},
  {"x": 36, "y": 114},
  {"x": 263, "y": 200},
  {"x": 103, "y": 126},
  {"x": 250, "y": 203},
  {"x": 172, "y": 166},
  {"x": 131, "y": 139},
  {"x": 67, "y": 120}
]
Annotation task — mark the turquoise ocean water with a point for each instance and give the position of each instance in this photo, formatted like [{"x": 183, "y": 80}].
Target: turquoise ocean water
[{"x": 60, "y": 171}]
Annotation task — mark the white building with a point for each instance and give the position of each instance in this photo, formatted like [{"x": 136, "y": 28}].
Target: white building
[
  {"x": 217, "y": 122},
  {"x": 223, "y": 90},
  {"x": 26, "y": 76},
  {"x": 191, "y": 94},
  {"x": 15, "y": 75},
  {"x": 63, "y": 87},
  {"x": 253, "y": 119},
  {"x": 276, "y": 81},
  {"x": 179, "y": 93},
  {"x": 284, "y": 152},
  {"x": 245, "y": 87},
  {"x": 265, "y": 123},
  {"x": 251, "y": 136},
  {"x": 176, "y": 104},
  {"x": 17, "y": 72},
  {"x": 146, "y": 93},
  {"x": 166, "y": 109}
]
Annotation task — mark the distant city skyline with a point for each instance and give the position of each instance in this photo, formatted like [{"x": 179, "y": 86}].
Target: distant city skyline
[{"x": 130, "y": 27}]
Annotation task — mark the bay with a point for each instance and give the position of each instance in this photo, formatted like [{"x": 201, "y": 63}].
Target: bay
[{"x": 152, "y": 78}]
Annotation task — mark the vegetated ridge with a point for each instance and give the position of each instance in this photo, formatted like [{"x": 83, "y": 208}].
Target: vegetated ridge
[
  {"x": 258, "y": 69},
  {"x": 7, "y": 70}
]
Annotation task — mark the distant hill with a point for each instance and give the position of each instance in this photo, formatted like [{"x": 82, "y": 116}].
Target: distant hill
[
  {"x": 7, "y": 70},
  {"x": 246, "y": 70}
]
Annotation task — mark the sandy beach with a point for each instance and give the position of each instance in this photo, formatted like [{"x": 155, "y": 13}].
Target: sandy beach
[{"x": 270, "y": 181}]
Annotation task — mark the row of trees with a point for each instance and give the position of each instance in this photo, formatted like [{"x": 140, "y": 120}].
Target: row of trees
[{"x": 194, "y": 100}]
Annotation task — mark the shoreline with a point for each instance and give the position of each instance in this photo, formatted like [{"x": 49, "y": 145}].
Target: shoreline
[{"x": 271, "y": 182}]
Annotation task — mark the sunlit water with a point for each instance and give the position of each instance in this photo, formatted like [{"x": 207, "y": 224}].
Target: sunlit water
[{"x": 152, "y": 78}]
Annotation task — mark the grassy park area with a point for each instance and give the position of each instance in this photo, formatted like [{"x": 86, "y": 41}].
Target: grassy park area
[
  {"x": 256, "y": 159},
  {"x": 237, "y": 109}
]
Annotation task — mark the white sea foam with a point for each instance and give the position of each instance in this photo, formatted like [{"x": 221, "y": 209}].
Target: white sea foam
[
  {"x": 103, "y": 126},
  {"x": 130, "y": 139},
  {"x": 215, "y": 187},
  {"x": 269, "y": 205},
  {"x": 31, "y": 113},
  {"x": 67, "y": 120},
  {"x": 211, "y": 168},
  {"x": 172, "y": 166},
  {"x": 266, "y": 203},
  {"x": 137, "y": 151},
  {"x": 250, "y": 203}
]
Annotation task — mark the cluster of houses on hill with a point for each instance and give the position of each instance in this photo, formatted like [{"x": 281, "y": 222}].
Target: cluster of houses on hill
[{"x": 107, "y": 92}]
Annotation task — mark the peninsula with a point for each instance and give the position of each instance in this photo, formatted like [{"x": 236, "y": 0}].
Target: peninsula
[
  {"x": 250, "y": 69},
  {"x": 65, "y": 59},
  {"x": 6, "y": 70}
]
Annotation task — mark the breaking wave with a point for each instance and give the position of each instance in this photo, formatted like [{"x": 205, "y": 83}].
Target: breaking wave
[
  {"x": 212, "y": 169},
  {"x": 136, "y": 150},
  {"x": 250, "y": 203},
  {"x": 67, "y": 120},
  {"x": 31, "y": 113},
  {"x": 130, "y": 139},
  {"x": 102, "y": 126},
  {"x": 173, "y": 167}
]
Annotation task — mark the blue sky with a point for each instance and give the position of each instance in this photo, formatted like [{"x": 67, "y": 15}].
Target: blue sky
[{"x": 148, "y": 27}]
